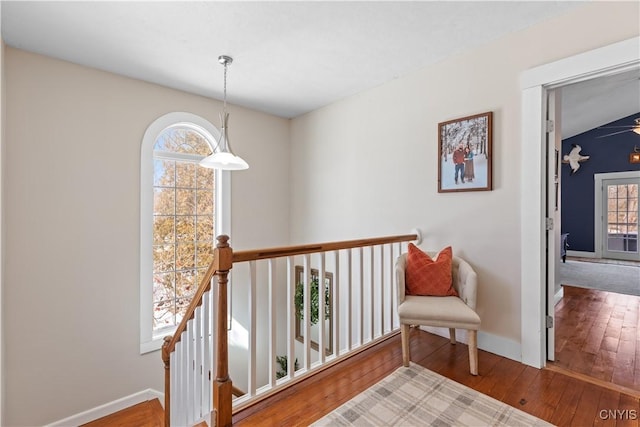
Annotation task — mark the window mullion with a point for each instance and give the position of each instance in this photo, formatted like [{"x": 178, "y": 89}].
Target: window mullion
[{"x": 175, "y": 242}]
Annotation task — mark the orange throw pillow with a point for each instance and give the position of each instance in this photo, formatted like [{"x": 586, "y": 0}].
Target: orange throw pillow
[{"x": 428, "y": 277}]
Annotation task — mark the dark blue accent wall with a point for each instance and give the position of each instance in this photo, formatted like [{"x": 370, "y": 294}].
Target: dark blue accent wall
[{"x": 609, "y": 154}]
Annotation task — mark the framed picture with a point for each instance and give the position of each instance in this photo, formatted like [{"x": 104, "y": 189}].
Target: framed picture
[
  {"x": 464, "y": 154},
  {"x": 314, "y": 329}
]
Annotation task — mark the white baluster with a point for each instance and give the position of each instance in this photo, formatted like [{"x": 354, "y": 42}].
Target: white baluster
[
  {"x": 335, "y": 308},
  {"x": 382, "y": 288},
  {"x": 307, "y": 313},
  {"x": 349, "y": 303},
  {"x": 272, "y": 323},
  {"x": 391, "y": 287},
  {"x": 197, "y": 323},
  {"x": 182, "y": 382},
  {"x": 206, "y": 353},
  {"x": 291, "y": 317},
  {"x": 173, "y": 387},
  {"x": 189, "y": 371},
  {"x": 372, "y": 311},
  {"x": 321, "y": 309},
  {"x": 252, "y": 328},
  {"x": 361, "y": 296}
]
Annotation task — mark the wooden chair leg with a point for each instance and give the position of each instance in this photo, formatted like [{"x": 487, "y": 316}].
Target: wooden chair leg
[
  {"x": 404, "y": 332},
  {"x": 452, "y": 335},
  {"x": 473, "y": 352}
]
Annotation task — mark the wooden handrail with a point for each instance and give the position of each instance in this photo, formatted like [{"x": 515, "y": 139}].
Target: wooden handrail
[{"x": 253, "y": 255}]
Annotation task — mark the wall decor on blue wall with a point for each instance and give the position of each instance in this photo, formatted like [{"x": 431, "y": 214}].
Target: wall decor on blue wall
[
  {"x": 574, "y": 158},
  {"x": 608, "y": 154}
]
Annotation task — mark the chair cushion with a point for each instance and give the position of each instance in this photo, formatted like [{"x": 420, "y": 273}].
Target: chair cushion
[
  {"x": 425, "y": 276},
  {"x": 446, "y": 312}
]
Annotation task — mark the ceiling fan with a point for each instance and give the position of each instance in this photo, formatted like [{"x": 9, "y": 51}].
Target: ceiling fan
[{"x": 628, "y": 128}]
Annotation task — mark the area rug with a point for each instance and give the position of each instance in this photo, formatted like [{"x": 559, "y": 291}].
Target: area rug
[
  {"x": 623, "y": 279},
  {"x": 416, "y": 396}
]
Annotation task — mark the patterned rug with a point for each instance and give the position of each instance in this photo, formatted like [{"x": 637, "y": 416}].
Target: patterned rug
[{"x": 416, "y": 396}]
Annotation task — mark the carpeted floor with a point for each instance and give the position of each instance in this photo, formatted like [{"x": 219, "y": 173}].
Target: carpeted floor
[
  {"x": 416, "y": 396},
  {"x": 623, "y": 279},
  {"x": 605, "y": 261}
]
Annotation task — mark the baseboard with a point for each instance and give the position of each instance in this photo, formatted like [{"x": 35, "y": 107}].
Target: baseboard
[
  {"x": 109, "y": 408},
  {"x": 558, "y": 296},
  {"x": 581, "y": 254},
  {"x": 488, "y": 342}
]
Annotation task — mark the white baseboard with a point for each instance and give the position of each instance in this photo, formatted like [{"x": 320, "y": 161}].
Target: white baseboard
[
  {"x": 488, "y": 342},
  {"x": 558, "y": 296},
  {"x": 581, "y": 254},
  {"x": 109, "y": 408}
]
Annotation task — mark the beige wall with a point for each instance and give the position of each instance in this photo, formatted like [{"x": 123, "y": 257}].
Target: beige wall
[
  {"x": 379, "y": 148},
  {"x": 72, "y": 161}
]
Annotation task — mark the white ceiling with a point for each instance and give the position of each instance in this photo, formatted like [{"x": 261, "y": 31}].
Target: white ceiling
[
  {"x": 289, "y": 57},
  {"x": 599, "y": 101}
]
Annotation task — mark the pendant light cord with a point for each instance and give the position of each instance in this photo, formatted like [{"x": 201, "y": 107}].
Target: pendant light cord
[{"x": 224, "y": 99}]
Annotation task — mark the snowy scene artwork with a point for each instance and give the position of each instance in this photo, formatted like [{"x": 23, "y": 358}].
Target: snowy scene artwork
[{"x": 464, "y": 154}]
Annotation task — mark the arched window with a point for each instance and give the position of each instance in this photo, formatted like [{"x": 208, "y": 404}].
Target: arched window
[{"x": 179, "y": 219}]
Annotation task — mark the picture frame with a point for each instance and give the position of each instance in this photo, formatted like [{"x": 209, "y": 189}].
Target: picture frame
[
  {"x": 314, "y": 329},
  {"x": 468, "y": 141}
]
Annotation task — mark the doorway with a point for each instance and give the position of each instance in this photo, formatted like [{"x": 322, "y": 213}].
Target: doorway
[{"x": 535, "y": 83}]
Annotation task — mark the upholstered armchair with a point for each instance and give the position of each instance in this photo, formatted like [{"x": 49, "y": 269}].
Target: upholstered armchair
[{"x": 453, "y": 312}]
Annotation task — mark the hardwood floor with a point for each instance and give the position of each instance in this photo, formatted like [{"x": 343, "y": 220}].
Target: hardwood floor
[
  {"x": 560, "y": 399},
  {"x": 597, "y": 334},
  {"x": 552, "y": 396},
  {"x": 147, "y": 414}
]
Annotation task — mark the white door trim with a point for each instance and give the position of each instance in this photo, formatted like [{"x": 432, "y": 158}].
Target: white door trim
[{"x": 612, "y": 59}]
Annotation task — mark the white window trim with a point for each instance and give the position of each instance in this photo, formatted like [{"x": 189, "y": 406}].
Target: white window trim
[{"x": 149, "y": 342}]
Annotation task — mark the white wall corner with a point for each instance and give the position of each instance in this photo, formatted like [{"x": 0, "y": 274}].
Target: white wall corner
[{"x": 109, "y": 408}]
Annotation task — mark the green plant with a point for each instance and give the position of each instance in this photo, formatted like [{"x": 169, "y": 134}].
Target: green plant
[
  {"x": 282, "y": 361},
  {"x": 314, "y": 300}
]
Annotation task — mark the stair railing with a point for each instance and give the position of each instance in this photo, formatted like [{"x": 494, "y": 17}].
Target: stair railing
[
  {"x": 367, "y": 317},
  {"x": 192, "y": 378}
]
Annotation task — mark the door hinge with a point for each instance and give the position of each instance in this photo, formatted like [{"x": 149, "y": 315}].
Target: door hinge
[
  {"x": 549, "y": 322},
  {"x": 551, "y": 126},
  {"x": 548, "y": 223}
]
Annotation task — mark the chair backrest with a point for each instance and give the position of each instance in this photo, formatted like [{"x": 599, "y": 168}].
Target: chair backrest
[{"x": 465, "y": 279}]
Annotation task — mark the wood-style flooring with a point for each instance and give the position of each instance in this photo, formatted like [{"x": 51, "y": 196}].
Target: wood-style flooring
[
  {"x": 597, "y": 334},
  {"x": 145, "y": 414},
  {"x": 553, "y": 396}
]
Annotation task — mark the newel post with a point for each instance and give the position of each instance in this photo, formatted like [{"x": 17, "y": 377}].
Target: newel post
[
  {"x": 222, "y": 386},
  {"x": 166, "y": 358}
]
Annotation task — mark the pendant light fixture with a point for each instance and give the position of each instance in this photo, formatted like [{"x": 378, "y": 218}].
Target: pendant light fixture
[{"x": 223, "y": 157}]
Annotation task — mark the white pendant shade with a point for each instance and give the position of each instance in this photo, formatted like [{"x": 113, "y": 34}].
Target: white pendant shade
[
  {"x": 224, "y": 158},
  {"x": 225, "y": 161}
]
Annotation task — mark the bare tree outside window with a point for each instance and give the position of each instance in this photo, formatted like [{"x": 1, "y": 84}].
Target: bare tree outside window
[{"x": 183, "y": 222}]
